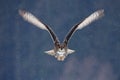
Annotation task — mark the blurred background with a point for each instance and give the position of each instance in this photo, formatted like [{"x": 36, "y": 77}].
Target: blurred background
[{"x": 22, "y": 45}]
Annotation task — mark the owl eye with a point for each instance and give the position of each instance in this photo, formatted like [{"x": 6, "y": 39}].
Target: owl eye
[{"x": 57, "y": 44}]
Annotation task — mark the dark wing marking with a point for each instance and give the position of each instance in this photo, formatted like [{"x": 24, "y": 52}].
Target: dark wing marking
[
  {"x": 32, "y": 19},
  {"x": 55, "y": 39},
  {"x": 70, "y": 33},
  {"x": 96, "y": 15}
]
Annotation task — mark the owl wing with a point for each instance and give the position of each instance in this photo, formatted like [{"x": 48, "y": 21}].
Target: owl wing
[
  {"x": 27, "y": 16},
  {"x": 94, "y": 16}
]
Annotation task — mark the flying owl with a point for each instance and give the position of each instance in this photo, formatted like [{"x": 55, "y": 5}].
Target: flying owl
[{"x": 60, "y": 50}]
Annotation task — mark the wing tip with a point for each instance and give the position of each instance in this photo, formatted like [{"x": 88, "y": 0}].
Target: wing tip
[
  {"x": 101, "y": 12},
  {"x": 21, "y": 12}
]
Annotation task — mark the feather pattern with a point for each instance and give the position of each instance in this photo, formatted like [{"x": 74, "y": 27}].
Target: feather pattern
[
  {"x": 95, "y": 16},
  {"x": 32, "y": 19}
]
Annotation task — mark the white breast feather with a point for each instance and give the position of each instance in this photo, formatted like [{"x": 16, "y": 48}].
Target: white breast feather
[{"x": 61, "y": 52}]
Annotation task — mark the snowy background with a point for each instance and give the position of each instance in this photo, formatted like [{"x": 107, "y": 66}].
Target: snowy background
[{"x": 22, "y": 45}]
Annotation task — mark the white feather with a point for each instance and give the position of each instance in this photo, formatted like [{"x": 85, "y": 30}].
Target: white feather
[
  {"x": 50, "y": 52},
  {"x": 32, "y": 19},
  {"x": 70, "y": 51},
  {"x": 96, "y": 15}
]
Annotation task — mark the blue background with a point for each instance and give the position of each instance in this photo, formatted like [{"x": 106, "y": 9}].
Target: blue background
[{"x": 22, "y": 45}]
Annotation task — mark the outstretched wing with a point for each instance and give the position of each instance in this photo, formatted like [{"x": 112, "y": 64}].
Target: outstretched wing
[
  {"x": 96, "y": 15},
  {"x": 32, "y": 19}
]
